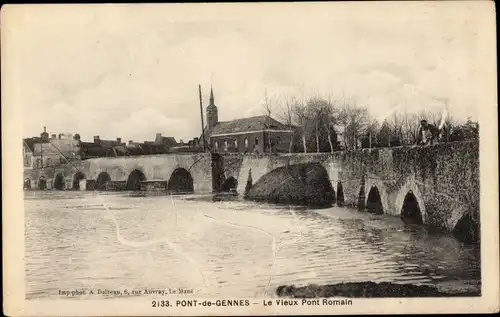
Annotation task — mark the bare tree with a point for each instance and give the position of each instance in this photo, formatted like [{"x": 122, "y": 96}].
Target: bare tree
[
  {"x": 450, "y": 124},
  {"x": 396, "y": 126},
  {"x": 356, "y": 121},
  {"x": 432, "y": 117},
  {"x": 371, "y": 131},
  {"x": 331, "y": 115},
  {"x": 411, "y": 123},
  {"x": 287, "y": 117},
  {"x": 267, "y": 109},
  {"x": 299, "y": 111},
  {"x": 314, "y": 108}
]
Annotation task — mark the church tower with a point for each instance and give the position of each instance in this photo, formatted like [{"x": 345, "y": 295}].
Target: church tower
[{"x": 212, "y": 113}]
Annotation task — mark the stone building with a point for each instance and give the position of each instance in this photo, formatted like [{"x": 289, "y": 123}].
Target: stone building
[
  {"x": 54, "y": 150},
  {"x": 167, "y": 141},
  {"x": 28, "y": 147},
  {"x": 259, "y": 134},
  {"x": 115, "y": 148},
  {"x": 100, "y": 148}
]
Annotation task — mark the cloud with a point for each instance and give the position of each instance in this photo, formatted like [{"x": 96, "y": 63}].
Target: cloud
[{"x": 118, "y": 71}]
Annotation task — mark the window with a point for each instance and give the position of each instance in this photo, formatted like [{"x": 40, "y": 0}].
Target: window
[
  {"x": 256, "y": 141},
  {"x": 38, "y": 163},
  {"x": 246, "y": 143},
  {"x": 216, "y": 145},
  {"x": 49, "y": 162},
  {"x": 236, "y": 144},
  {"x": 225, "y": 145},
  {"x": 26, "y": 161}
]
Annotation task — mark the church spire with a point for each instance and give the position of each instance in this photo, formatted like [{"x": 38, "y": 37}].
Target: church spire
[
  {"x": 212, "y": 113},
  {"x": 211, "y": 96}
]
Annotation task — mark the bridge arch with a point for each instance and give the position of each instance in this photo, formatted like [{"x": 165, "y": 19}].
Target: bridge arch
[
  {"x": 229, "y": 184},
  {"x": 181, "y": 181},
  {"x": 27, "y": 183},
  {"x": 467, "y": 229},
  {"x": 410, "y": 211},
  {"x": 42, "y": 183},
  {"x": 134, "y": 180},
  {"x": 374, "y": 201},
  {"x": 378, "y": 201},
  {"x": 76, "y": 180},
  {"x": 59, "y": 182},
  {"x": 410, "y": 187},
  {"x": 340, "y": 195},
  {"x": 102, "y": 179}
]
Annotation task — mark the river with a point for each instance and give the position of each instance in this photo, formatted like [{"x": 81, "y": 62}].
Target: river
[{"x": 234, "y": 249}]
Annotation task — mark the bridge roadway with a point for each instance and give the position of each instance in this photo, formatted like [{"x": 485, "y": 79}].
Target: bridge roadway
[{"x": 440, "y": 182}]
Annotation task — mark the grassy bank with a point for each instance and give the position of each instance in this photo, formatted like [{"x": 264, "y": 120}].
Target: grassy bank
[{"x": 367, "y": 289}]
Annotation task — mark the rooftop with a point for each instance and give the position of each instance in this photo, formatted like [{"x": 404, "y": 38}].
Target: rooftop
[
  {"x": 29, "y": 143},
  {"x": 250, "y": 124}
]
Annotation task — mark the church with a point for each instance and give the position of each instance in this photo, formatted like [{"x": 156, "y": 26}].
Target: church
[{"x": 259, "y": 134}]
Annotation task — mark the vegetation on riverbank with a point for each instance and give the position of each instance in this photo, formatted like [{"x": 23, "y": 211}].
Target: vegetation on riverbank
[{"x": 367, "y": 289}]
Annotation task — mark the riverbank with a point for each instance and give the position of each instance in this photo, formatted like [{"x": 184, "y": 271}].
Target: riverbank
[{"x": 369, "y": 289}]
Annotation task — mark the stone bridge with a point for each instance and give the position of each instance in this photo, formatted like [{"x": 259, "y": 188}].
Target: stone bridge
[
  {"x": 435, "y": 185},
  {"x": 178, "y": 172}
]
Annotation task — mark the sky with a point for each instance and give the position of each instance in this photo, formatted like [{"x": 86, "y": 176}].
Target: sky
[{"x": 132, "y": 71}]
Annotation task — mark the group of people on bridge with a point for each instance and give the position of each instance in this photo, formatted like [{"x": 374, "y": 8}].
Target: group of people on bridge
[{"x": 428, "y": 134}]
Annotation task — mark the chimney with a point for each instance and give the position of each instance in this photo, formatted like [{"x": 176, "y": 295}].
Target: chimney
[
  {"x": 45, "y": 129},
  {"x": 119, "y": 140},
  {"x": 130, "y": 141},
  {"x": 60, "y": 135},
  {"x": 96, "y": 139}
]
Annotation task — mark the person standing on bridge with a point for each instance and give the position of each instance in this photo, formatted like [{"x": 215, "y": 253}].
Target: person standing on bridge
[{"x": 428, "y": 134}]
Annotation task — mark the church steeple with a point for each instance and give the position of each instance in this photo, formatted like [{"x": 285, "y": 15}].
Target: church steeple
[
  {"x": 211, "y": 96},
  {"x": 212, "y": 112}
]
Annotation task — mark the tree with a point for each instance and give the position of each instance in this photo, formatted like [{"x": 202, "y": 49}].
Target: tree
[
  {"x": 299, "y": 111},
  {"x": 369, "y": 140},
  {"x": 432, "y": 117},
  {"x": 450, "y": 124},
  {"x": 321, "y": 112},
  {"x": 355, "y": 120},
  {"x": 468, "y": 131},
  {"x": 267, "y": 109},
  {"x": 396, "y": 126},
  {"x": 384, "y": 135},
  {"x": 287, "y": 117},
  {"x": 411, "y": 124}
]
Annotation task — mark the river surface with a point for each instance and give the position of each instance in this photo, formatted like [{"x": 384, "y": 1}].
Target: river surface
[{"x": 233, "y": 249}]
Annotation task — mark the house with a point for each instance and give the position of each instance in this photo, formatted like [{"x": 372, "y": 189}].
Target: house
[
  {"x": 28, "y": 148},
  {"x": 54, "y": 150},
  {"x": 259, "y": 134},
  {"x": 166, "y": 141}
]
